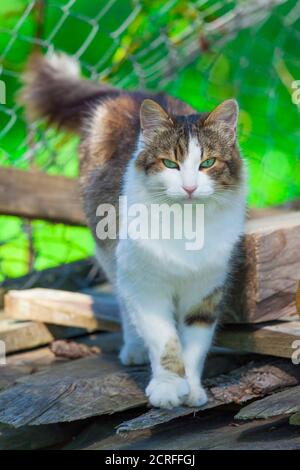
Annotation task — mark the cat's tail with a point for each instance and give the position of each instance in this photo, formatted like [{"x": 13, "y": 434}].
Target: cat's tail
[{"x": 53, "y": 90}]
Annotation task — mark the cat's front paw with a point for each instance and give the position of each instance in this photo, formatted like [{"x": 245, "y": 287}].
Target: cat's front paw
[
  {"x": 133, "y": 354},
  {"x": 197, "y": 397},
  {"x": 167, "y": 391}
]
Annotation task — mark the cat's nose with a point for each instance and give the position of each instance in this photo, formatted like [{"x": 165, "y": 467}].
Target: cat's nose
[{"x": 190, "y": 189}]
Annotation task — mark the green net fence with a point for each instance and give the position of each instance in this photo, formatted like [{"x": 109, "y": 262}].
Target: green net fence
[{"x": 200, "y": 51}]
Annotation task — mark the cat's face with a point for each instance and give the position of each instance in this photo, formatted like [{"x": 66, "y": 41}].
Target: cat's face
[{"x": 189, "y": 158}]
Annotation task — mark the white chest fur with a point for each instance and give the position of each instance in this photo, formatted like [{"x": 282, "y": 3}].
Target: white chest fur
[{"x": 166, "y": 264}]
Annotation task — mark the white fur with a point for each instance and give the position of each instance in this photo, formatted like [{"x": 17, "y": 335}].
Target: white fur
[
  {"x": 64, "y": 64},
  {"x": 159, "y": 281},
  {"x": 189, "y": 176},
  {"x": 152, "y": 273}
]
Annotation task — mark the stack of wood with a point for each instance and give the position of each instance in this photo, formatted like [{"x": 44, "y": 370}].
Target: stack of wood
[{"x": 63, "y": 386}]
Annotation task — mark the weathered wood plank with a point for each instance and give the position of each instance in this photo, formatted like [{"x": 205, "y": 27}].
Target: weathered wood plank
[
  {"x": 238, "y": 386},
  {"x": 275, "y": 339},
  {"x": 266, "y": 282},
  {"x": 37, "y": 195},
  {"x": 63, "y": 308},
  {"x": 210, "y": 430},
  {"x": 74, "y": 390},
  {"x": 37, "y": 437},
  {"x": 21, "y": 335},
  {"x": 103, "y": 429},
  {"x": 281, "y": 403},
  {"x": 100, "y": 385},
  {"x": 25, "y": 363},
  {"x": 9, "y": 375}
]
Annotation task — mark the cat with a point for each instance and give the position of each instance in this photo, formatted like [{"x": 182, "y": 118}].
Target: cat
[{"x": 153, "y": 148}]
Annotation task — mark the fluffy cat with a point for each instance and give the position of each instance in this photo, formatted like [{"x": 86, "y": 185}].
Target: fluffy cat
[{"x": 153, "y": 148}]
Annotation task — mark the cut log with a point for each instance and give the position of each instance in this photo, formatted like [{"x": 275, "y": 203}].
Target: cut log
[
  {"x": 275, "y": 339},
  {"x": 20, "y": 335},
  {"x": 266, "y": 282},
  {"x": 36, "y": 195},
  {"x": 64, "y": 308},
  {"x": 282, "y": 403}
]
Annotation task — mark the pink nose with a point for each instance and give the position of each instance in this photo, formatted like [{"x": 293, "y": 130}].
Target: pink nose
[{"x": 190, "y": 189}]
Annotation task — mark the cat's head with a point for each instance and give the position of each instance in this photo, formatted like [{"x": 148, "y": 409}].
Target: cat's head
[{"x": 189, "y": 157}]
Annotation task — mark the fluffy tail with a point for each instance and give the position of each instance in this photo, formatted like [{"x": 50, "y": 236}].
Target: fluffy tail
[{"x": 52, "y": 89}]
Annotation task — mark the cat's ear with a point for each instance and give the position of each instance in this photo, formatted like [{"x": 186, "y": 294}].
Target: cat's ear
[
  {"x": 153, "y": 118},
  {"x": 225, "y": 116}
]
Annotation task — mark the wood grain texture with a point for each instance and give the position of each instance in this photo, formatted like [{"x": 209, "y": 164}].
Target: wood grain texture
[
  {"x": 274, "y": 339},
  {"x": 74, "y": 390},
  {"x": 281, "y": 403},
  {"x": 212, "y": 430},
  {"x": 36, "y": 195},
  {"x": 20, "y": 335},
  {"x": 100, "y": 385},
  {"x": 238, "y": 386},
  {"x": 266, "y": 282},
  {"x": 37, "y": 437},
  {"x": 63, "y": 308}
]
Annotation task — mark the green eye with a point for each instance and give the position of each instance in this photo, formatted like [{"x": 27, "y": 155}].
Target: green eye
[
  {"x": 208, "y": 163},
  {"x": 170, "y": 164}
]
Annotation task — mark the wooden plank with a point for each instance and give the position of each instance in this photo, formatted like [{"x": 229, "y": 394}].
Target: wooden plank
[
  {"x": 21, "y": 335},
  {"x": 266, "y": 281},
  {"x": 63, "y": 308},
  {"x": 238, "y": 386},
  {"x": 103, "y": 430},
  {"x": 100, "y": 385},
  {"x": 25, "y": 363},
  {"x": 37, "y": 437},
  {"x": 74, "y": 390},
  {"x": 9, "y": 375},
  {"x": 274, "y": 339},
  {"x": 281, "y": 403},
  {"x": 37, "y": 195},
  {"x": 212, "y": 430}
]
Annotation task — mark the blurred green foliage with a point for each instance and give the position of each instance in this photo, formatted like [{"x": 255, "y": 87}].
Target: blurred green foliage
[{"x": 151, "y": 44}]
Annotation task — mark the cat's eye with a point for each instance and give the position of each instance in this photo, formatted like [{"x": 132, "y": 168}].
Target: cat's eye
[
  {"x": 170, "y": 164},
  {"x": 207, "y": 163}
]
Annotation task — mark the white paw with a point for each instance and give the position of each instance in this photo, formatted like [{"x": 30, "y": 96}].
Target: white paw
[
  {"x": 197, "y": 397},
  {"x": 133, "y": 354},
  {"x": 167, "y": 391}
]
